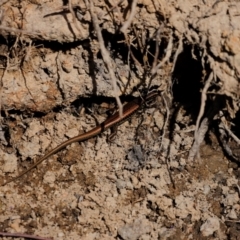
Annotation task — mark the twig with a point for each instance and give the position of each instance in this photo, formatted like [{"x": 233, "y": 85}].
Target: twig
[
  {"x": 203, "y": 103},
  {"x": 179, "y": 50},
  {"x": 235, "y": 138},
  {"x": 165, "y": 122},
  {"x": 156, "y": 48},
  {"x": 23, "y": 235},
  {"x": 114, "y": 7},
  {"x": 223, "y": 136},
  {"x": 130, "y": 51},
  {"x": 162, "y": 138},
  {"x": 203, "y": 128},
  {"x": 235, "y": 221},
  {"x": 106, "y": 57},
  {"x": 70, "y": 8},
  {"x": 132, "y": 14},
  {"x": 167, "y": 56},
  {"x": 199, "y": 138},
  {"x": 223, "y": 129},
  {"x": 238, "y": 188},
  {"x": 129, "y": 44},
  {"x": 1, "y": 83}
]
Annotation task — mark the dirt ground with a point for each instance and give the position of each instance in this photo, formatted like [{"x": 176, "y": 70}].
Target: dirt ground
[{"x": 144, "y": 184}]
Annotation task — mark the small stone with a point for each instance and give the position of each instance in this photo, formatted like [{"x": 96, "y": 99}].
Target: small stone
[
  {"x": 206, "y": 189},
  {"x": 210, "y": 226},
  {"x": 67, "y": 66},
  {"x": 10, "y": 163},
  {"x": 123, "y": 184},
  {"x": 60, "y": 234},
  {"x": 182, "y": 162},
  {"x": 232, "y": 214},
  {"x": 132, "y": 231},
  {"x": 72, "y": 132},
  {"x": 16, "y": 225},
  {"x": 49, "y": 177}
]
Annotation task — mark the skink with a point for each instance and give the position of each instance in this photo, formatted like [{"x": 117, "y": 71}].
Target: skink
[{"x": 113, "y": 121}]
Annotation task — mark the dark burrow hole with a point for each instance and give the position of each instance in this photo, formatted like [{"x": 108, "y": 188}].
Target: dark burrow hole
[{"x": 187, "y": 84}]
